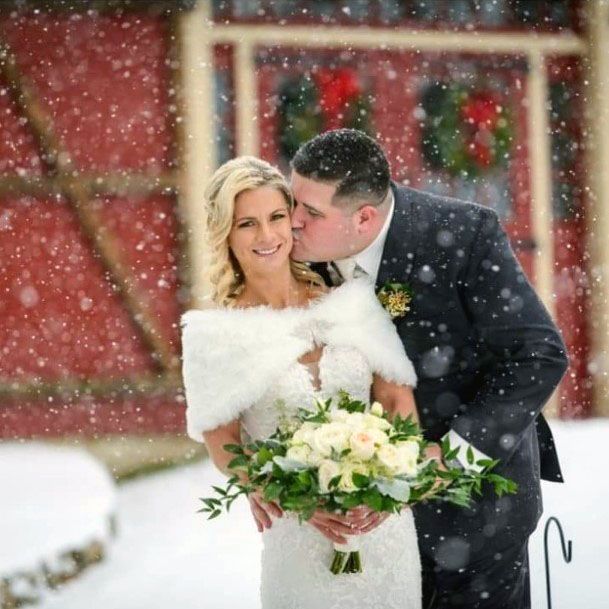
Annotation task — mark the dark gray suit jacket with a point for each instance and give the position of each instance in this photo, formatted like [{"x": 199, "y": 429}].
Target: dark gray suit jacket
[{"x": 486, "y": 352}]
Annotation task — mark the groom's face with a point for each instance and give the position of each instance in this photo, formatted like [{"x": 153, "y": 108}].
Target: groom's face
[{"x": 322, "y": 231}]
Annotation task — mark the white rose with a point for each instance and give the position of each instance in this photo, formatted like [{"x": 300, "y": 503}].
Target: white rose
[
  {"x": 338, "y": 414},
  {"x": 379, "y": 437},
  {"x": 362, "y": 445},
  {"x": 346, "y": 483},
  {"x": 374, "y": 422},
  {"x": 409, "y": 448},
  {"x": 315, "y": 458},
  {"x": 408, "y": 453},
  {"x": 304, "y": 435},
  {"x": 331, "y": 436},
  {"x": 388, "y": 456},
  {"x": 356, "y": 420},
  {"x": 299, "y": 453},
  {"x": 327, "y": 470},
  {"x": 377, "y": 409}
]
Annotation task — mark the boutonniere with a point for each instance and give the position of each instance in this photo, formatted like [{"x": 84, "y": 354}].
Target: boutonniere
[{"x": 395, "y": 298}]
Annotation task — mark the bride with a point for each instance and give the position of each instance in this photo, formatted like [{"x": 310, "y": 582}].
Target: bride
[{"x": 274, "y": 340}]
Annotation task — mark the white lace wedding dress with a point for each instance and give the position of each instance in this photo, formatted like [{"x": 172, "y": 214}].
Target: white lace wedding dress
[{"x": 244, "y": 363}]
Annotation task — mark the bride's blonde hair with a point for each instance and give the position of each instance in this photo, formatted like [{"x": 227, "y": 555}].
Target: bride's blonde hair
[{"x": 230, "y": 179}]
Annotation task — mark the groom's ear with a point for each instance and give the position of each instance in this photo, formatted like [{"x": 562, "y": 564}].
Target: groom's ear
[{"x": 366, "y": 218}]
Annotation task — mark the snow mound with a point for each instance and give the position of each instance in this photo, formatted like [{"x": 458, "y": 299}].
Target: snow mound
[{"x": 55, "y": 499}]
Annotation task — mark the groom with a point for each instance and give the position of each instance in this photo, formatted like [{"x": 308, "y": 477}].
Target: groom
[{"x": 486, "y": 352}]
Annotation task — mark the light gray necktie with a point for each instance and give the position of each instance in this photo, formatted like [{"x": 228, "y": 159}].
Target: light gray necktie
[{"x": 345, "y": 269}]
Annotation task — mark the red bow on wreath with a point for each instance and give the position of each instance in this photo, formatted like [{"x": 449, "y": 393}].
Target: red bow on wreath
[
  {"x": 482, "y": 111},
  {"x": 336, "y": 89}
]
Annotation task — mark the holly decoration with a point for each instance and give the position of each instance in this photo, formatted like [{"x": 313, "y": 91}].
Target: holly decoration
[
  {"x": 311, "y": 104},
  {"x": 466, "y": 132}
]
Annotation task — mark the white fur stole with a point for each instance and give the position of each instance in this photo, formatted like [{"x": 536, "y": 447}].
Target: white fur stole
[{"x": 232, "y": 356}]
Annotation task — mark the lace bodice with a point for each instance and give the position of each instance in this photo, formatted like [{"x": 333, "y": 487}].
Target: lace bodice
[{"x": 339, "y": 367}]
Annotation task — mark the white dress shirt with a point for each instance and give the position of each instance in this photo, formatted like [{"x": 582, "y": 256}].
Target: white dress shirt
[{"x": 368, "y": 261}]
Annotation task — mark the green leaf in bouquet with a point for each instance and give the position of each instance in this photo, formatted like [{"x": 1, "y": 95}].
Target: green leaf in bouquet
[
  {"x": 470, "y": 455},
  {"x": 451, "y": 454},
  {"x": 360, "y": 480},
  {"x": 235, "y": 449},
  {"x": 305, "y": 479},
  {"x": 406, "y": 426},
  {"x": 351, "y": 501},
  {"x": 373, "y": 499},
  {"x": 487, "y": 463},
  {"x": 346, "y": 402},
  {"x": 239, "y": 462},
  {"x": 211, "y": 503},
  {"x": 458, "y": 496},
  {"x": 272, "y": 444},
  {"x": 214, "y": 514},
  {"x": 263, "y": 455},
  {"x": 308, "y": 512},
  {"x": 219, "y": 490},
  {"x": 289, "y": 465},
  {"x": 447, "y": 474},
  {"x": 396, "y": 489},
  {"x": 277, "y": 471},
  {"x": 389, "y": 505},
  {"x": 334, "y": 482},
  {"x": 272, "y": 491}
]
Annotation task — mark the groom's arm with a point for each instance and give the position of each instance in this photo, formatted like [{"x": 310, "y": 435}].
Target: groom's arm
[{"x": 528, "y": 354}]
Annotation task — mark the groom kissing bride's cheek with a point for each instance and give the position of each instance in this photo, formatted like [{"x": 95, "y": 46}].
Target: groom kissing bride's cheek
[
  {"x": 485, "y": 350},
  {"x": 348, "y": 313}
]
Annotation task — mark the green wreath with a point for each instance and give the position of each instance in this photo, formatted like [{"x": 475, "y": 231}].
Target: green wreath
[
  {"x": 301, "y": 116},
  {"x": 465, "y": 132}
]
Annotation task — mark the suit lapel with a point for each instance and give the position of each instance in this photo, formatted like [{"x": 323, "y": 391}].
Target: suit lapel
[{"x": 400, "y": 246}]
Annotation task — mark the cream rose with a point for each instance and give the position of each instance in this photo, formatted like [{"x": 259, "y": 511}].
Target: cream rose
[
  {"x": 377, "y": 409},
  {"x": 362, "y": 444},
  {"x": 371, "y": 421},
  {"x": 340, "y": 415},
  {"x": 304, "y": 435},
  {"x": 327, "y": 470},
  {"x": 331, "y": 436},
  {"x": 356, "y": 420},
  {"x": 408, "y": 453},
  {"x": 299, "y": 453},
  {"x": 389, "y": 458},
  {"x": 379, "y": 437},
  {"x": 315, "y": 458}
]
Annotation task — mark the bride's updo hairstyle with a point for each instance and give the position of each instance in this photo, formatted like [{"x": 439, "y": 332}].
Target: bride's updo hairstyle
[{"x": 231, "y": 179}]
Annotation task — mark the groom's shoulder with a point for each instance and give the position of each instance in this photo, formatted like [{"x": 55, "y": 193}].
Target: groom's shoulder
[{"x": 437, "y": 209}]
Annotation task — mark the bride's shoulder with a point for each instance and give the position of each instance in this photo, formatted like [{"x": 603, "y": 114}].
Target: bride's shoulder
[
  {"x": 353, "y": 296},
  {"x": 235, "y": 324}
]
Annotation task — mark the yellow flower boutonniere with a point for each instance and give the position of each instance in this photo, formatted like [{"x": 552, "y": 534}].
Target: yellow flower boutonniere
[{"x": 395, "y": 298}]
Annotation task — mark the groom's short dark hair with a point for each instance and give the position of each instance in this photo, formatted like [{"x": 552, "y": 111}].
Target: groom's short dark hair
[{"x": 348, "y": 158}]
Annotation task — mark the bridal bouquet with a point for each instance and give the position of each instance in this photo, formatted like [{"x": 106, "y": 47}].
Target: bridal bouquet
[{"x": 344, "y": 455}]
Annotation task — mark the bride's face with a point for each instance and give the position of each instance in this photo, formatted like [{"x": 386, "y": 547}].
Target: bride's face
[{"x": 261, "y": 236}]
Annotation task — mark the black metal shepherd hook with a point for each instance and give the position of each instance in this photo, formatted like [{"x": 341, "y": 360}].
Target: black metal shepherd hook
[{"x": 566, "y": 553}]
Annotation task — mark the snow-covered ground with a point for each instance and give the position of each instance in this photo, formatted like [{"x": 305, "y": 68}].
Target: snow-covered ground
[
  {"x": 166, "y": 555},
  {"x": 54, "y": 499}
]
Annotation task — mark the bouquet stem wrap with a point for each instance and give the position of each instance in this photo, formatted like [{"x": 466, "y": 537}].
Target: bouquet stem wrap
[{"x": 347, "y": 558}]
